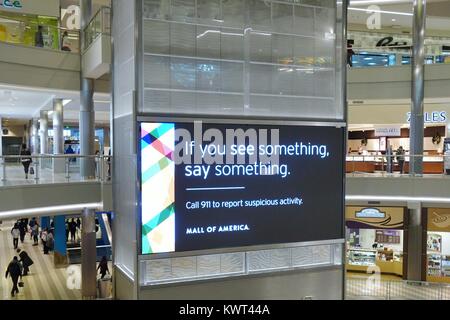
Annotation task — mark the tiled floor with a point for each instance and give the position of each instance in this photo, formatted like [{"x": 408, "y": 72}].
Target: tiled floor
[{"x": 44, "y": 281}]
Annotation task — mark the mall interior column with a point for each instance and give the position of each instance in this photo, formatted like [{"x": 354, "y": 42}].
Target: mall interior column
[
  {"x": 60, "y": 255},
  {"x": 35, "y": 136},
  {"x": 58, "y": 135},
  {"x": 414, "y": 248},
  {"x": 87, "y": 114},
  {"x": 417, "y": 90},
  {"x": 88, "y": 255},
  {"x": 43, "y": 132}
]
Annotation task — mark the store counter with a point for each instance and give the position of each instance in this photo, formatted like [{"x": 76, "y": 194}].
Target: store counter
[{"x": 359, "y": 260}]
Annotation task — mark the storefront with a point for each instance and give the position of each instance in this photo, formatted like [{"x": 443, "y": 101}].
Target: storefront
[
  {"x": 438, "y": 245},
  {"x": 20, "y": 19},
  {"x": 376, "y": 240}
]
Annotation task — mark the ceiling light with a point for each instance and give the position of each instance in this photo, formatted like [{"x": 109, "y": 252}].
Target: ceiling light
[
  {"x": 381, "y": 11},
  {"x": 66, "y": 101},
  {"x": 393, "y": 20}
]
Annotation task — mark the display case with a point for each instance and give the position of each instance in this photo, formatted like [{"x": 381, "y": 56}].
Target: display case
[
  {"x": 362, "y": 257},
  {"x": 445, "y": 266},
  {"x": 434, "y": 265}
]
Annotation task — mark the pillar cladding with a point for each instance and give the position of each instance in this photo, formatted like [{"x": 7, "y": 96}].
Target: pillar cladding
[
  {"x": 415, "y": 238},
  {"x": 43, "y": 132},
  {"x": 418, "y": 85},
  {"x": 58, "y": 135},
  {"x": 88, "y": 255},
  {"x": 35, "y": 136},
  {"x": 87, "y": 113},
  {"x": 60, "y": 256}
]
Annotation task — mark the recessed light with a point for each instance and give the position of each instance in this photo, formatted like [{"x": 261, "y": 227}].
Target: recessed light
[{"x": 393, "y": 20}]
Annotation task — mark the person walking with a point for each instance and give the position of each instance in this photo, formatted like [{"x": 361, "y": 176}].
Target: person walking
[
  {"x": 26, "y": 159},
  {"x": 73, "y": 230},
  {"x": 50, "y": 241},
  {"x": 65, "y": 42},
  {"x": 39, "y": 38},
  {"x": 44, "y": 235},
  {"x": 15, "y": 232},
  {"x": 25, "y": 260},
  {"x": 31, "y": 224},
  {"x": 401, "y": 158},
  {"x": 35, "y": 233},
  {"x": 22, "y": 229},
  {"x": 103, "y": 267},
  {"x": 15, "y": 271}
]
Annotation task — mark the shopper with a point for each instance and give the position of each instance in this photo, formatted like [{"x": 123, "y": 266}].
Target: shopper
[
  {"x": 73, "y": 230},
  {"x": 39, "y": 38},
  {"x": 350, "y": 54},
  {"x": 22, "y": 229},
  {"x": 103, "y": 266},
  {"x": 35, "y": 233},
  {"x": 50, "y": 241},
  {"x": 15, "y": 271},
  {"x": 65, "y": 43},
  {"x": 32, "y": 224},
  {"x": 401, "y": 158},
  {"x": 25, "y": 159},
  {"x": 15, "y": 232},
  {"x": 25, "y": 260},
  {"x": 44, "y": 235}
]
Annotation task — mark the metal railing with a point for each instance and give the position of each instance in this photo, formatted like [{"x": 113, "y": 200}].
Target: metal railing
[
  {"x": 99, "y": 24},
  {"x": 373, "y": 288},
  {"x": 396, "y": 56},
  {"x": 16, "y": 31},
  {"x": 46, "y": 169},
  {"x": 388, "y": 165}
]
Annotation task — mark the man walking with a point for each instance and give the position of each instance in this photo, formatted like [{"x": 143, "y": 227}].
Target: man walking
[
  {"x": 15, "y": 232},
  {"x": 25, "y": 260},
  {"x": 15, "y": 271}
]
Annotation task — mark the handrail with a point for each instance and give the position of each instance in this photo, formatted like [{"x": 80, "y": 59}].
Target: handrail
[{"x": 90, "y": 31}]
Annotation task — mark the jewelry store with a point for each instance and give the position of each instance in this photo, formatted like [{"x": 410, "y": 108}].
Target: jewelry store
[{"x": 376, "y": 240}]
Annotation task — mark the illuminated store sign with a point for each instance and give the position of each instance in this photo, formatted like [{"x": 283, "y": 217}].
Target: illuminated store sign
[
  {"x": 210, "y": 186},
  {"x": 431, "y": 117},
  {"x": 370, "y": 213},
  {"x": 388, "y": 132},
  {"x": 11, "y": 4}
]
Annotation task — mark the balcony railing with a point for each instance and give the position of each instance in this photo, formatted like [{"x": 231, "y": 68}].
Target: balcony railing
[
  {"x": 48, "y": 169},
  {"x": 373, "y": 288},
  {"x": 26, "y": 33},
  {"x": 99, "y": 24},
  {"x": 392, "y": 165}
]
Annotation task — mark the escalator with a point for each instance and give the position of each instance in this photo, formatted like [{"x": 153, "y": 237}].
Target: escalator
[{"x": 104, "y": 240}]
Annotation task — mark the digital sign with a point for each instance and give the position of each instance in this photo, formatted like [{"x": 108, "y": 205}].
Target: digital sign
[{"x": 210, "y": 185}]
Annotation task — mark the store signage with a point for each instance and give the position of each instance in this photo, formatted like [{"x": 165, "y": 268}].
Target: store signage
[
  {"x": 431, "y": 117},
  {"x": 388, "y": 132},
  {"x": 71, "y": 17},
  {"x": 439, "y": 220},
  {"x": 11, "y": 4},
  {"x": 370, "y": 213},
  {"x": 389, "y": 42},
  {"x": 209, "y": 186}
]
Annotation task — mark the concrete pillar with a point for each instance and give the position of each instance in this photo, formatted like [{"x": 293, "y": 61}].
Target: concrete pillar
[
  {"x": 60, "y": 256},
  {"x": 35, "y": 136},
  {"x": 87, "y": 113},
  {"x": 43, "y": 132},
  {"x": 88, "y": 255},
  {"x": 417, "y": 90},
  {"x": 58, "y": 135},
  {"x": 415, "y": 242}
]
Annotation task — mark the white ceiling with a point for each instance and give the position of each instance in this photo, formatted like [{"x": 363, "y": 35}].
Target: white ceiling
[{"x": 26, "y": 103}]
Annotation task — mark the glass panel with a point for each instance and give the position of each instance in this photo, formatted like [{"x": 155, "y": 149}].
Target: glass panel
[
  {"x": 260, "y": 14},
  {"x": 182, "y": 39},
  {"x": 282, "y": 17},
  {"x": 282, "y": 50},
  {"x": 303, "y": 20},
  {"x": 233, "y": 12},
  {"x": 208, "y": 75},
  {"x": 232, "y": 79},
  {"x": 231, "y": 44},
  {"x": 209, "y": 10},
  {"x": 183, "y": 10},
  {"x": 260, "y": 47},
  {"x": 208, "y": 42},
  {"x": 157, "y": 37},
  {"x": 183, "y": 73},
  {"x": 156, "y": 72},
  {"x": 156, "y": 9}
]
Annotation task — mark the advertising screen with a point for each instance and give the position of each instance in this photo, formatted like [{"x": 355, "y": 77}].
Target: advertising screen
[{"x": 210, "y": 186}]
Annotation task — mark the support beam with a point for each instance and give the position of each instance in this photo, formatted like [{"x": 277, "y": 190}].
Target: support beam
[
  {"x": 35, "y": 136},
  {"x": 415, "y": 237},
  {"x": 58, "y": 135},
  {"x": 43, "y": 132},
  {"x": 88, "y": 255},
  {"x": 417, "y": 90},
  {"x": 87, "y": 113}
]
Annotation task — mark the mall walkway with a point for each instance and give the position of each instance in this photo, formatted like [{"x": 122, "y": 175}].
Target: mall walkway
[{"x": 44, "y": 282}]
